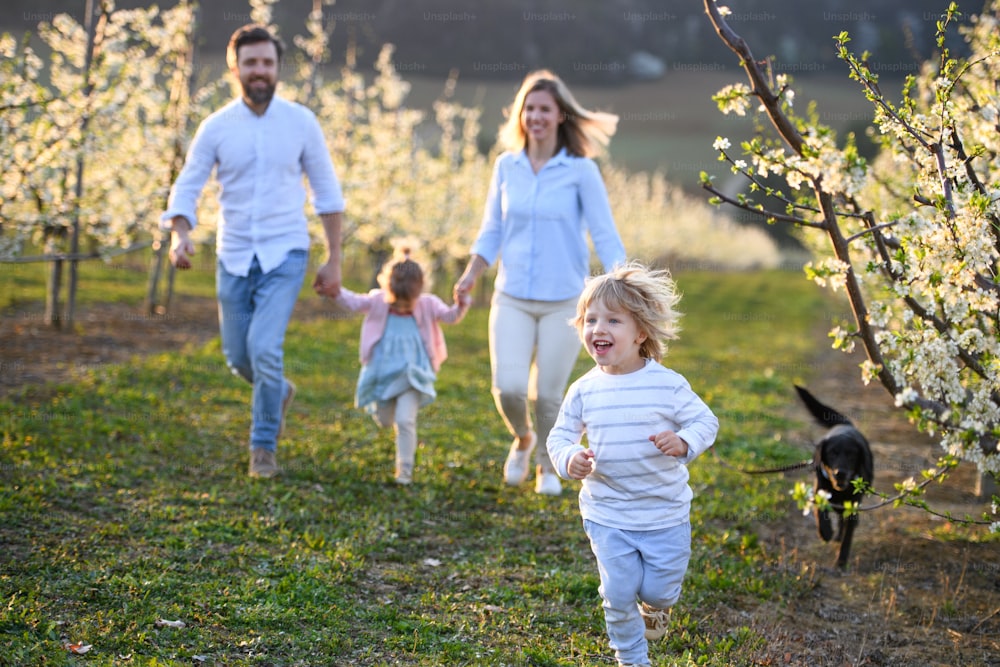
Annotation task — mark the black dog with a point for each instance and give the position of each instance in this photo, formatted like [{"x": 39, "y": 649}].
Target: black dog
[{"x": 840, "y": 457}]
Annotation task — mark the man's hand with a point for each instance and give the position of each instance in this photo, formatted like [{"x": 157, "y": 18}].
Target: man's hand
[
  {"x": 181, "y": 245},
  {"x": 328, "y": 280}
]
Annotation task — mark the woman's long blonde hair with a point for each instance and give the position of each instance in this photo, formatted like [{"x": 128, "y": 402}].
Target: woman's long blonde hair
[{"x": 583, "y": 133}]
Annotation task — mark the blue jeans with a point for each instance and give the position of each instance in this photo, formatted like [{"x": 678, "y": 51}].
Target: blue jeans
[
  {"x": 634, "y": 565},
  {"x": 253, "y": 315}
]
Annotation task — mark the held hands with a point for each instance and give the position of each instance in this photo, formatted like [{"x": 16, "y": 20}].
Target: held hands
[
  {"x": 327, "y": 282},
  {"x": 463, "y": 288},
  {"x": 670, "y": 444},
  {"x": 463, "y": 291},
  {"x": 581, "y": 464}
]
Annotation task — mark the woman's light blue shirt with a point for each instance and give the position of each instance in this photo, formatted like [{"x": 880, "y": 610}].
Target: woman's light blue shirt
[
  {"x": 259, "y": 162},
  {"x": 537, "y": 224}
]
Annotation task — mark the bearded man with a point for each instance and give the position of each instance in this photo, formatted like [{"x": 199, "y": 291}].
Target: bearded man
[{"x": 260, "y": 146}]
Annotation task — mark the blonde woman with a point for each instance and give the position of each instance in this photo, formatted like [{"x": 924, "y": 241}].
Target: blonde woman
[{"x": 546, "y": 196}]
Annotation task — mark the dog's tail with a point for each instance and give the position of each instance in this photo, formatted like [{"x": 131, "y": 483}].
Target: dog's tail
[{"x": 823, "y": 414}]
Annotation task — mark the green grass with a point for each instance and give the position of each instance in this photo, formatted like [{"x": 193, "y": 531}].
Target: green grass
[
  {"x": 123, "y": 279},
  {"x": 125, "y": 501}
]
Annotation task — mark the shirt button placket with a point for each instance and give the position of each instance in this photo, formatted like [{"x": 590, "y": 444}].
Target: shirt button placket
[
  {"x": 532, "y": 263},
  {"x": 259, "y": 172}
]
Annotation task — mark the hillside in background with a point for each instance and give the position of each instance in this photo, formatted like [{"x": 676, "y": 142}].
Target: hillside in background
[
  {"x": 667, "y": 124},
  {"x": 584, "y": 40}
]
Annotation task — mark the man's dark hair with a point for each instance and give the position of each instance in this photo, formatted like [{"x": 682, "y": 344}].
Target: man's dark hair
[{"x": 251, "y": 33}]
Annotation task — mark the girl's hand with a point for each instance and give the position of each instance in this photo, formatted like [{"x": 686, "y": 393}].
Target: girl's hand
[
  {"x": 581, "y": 465},
  {"x": 670, "y": 444}
]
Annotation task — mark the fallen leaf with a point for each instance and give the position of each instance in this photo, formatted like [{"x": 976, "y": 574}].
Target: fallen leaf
[{"x": 78, "y": 649}]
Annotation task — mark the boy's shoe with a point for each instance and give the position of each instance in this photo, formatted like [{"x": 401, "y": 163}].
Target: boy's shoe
[
  {"x": 515, "y": 469},
  {"x": 547, "y": 483},
  {"x": 287, "y": 401},
  {"x": 263, "y": 463},
  {"x": 656, "y": 620}
]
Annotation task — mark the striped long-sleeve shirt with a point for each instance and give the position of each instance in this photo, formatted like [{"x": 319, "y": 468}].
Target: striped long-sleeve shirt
[{"x": 634, "y": 486}]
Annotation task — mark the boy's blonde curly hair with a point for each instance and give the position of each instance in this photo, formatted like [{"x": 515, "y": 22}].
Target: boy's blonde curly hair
[{"x": 649, "y": 295}]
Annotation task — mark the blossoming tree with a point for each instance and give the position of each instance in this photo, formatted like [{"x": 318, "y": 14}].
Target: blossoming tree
[
  {"x": 913, "y": 237},
  {"x": 92, "y": 143}
]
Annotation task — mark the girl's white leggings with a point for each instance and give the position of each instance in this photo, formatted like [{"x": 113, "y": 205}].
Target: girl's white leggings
[{"x": 401, "y": 414}]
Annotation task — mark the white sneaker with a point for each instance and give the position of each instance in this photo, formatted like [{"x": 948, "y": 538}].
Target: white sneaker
[
  {"x": 515, "y": 469},
  {"x": 404, "y": 474},
  {"x": 547, "y": 483},
  {"x": 656, "y": 620}
]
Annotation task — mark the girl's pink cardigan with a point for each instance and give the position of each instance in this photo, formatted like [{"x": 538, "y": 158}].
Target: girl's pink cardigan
[{"x": 428, "y": 311}]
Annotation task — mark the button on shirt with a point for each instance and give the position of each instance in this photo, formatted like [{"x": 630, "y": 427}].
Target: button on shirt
[
  {"x": 537, "y": 224},
  {"x": 259, "y": 162}
]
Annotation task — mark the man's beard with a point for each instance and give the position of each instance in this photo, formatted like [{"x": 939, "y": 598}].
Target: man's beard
[{"x": 258, "y": 95}]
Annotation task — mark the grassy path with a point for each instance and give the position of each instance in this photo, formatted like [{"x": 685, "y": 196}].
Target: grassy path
[{"x": 125, "y": 504}]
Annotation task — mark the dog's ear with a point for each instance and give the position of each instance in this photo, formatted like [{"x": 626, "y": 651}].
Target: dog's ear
[
  {"x": 818, "y": 454},
  {"x": 867, "y": 462}
]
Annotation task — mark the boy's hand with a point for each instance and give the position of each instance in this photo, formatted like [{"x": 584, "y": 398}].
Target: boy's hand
[
  {"x": 670, "y": 444},
  {"x": 581, "y": 465}
]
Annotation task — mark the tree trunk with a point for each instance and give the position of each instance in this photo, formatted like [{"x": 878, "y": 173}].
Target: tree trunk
[
  {"x": 53, "y": 314},
  {"x": 74, "y": 247},
  {"x": 179, "y": 103},
  {"x": 160, "y": 249}
]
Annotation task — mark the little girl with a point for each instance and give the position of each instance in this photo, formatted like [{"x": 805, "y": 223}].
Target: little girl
[
  {"x": 643, "y": 425},
  {"x": 402, "y": 348}
]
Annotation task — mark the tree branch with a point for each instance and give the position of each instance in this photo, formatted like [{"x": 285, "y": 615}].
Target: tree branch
[
  {"x": 770, "y": 215},
  {"x": 758, "y": 82},
  {"x": 791, "y": 136}
]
